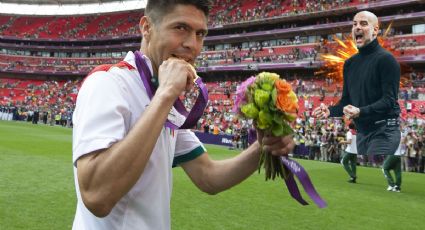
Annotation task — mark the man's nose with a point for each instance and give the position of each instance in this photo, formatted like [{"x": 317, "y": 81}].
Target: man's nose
[{"x": 191, "y": 41}]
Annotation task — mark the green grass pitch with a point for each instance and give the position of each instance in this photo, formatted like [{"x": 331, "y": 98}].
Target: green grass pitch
[{"x": 37, "y": 192}]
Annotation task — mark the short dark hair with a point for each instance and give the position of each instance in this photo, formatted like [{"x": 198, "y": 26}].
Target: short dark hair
[
  {"x": 156, "y": 9},
  {"x": 352, "y": 125}
]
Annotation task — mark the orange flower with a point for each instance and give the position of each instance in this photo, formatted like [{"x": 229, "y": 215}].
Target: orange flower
[
  {"x": 282, "y": 87},
  {"x": 286, "y": 104}
]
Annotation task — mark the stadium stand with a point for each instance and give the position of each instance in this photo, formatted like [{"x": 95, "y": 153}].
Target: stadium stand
[{"x": 75, "y": 27}]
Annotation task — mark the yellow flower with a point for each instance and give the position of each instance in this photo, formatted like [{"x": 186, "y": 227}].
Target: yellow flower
[
  {"x": 293, "y": 97},
  {"x": 268, "y": 77}
]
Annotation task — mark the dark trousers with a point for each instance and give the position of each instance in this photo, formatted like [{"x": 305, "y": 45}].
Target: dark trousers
[
  {"x": 349, "y": 161},
  {"x": 392, "y": 162}
]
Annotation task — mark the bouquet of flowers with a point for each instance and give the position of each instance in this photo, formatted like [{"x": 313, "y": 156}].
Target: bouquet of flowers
[{"x": 272, "y": 104}]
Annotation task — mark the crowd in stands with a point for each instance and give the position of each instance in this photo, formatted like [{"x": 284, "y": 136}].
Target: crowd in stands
[
  {"x": 71, "y": 27},
  {"x": 408, "y": 45},
  {"x": 321, "y": 140},
  {"x": 125, "y": 23},
  {"x": 48, "y": 102},
  {"x": 43, "y": 64},
  {"x": 285, "y": 51},
  {"x": 52, "y": 102},
  {"x": 228, "y": 11},
  {"x": 280, "y": 51},
  {"x": 296, "y": 49}
]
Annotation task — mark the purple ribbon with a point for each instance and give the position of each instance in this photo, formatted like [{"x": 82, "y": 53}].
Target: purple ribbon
[
  {"x": 297, "y": 170},
  {"x": 198, "y": 108}
]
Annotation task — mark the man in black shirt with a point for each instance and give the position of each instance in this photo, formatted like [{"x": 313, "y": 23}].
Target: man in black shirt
[{"x": 370, "y": 91}]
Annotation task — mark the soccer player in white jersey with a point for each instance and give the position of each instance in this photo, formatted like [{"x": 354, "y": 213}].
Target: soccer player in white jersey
[
  {"x": 349, "y": 160},
  {"x": 122, "y": 152},
  {"x": 393, "y": 162}
]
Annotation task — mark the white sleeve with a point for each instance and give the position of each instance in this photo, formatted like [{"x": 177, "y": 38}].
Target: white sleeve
[
  {"x": 101, "y": 115},
  {"x": 188, "y": 147},
  {"x": 349, "y": 136}
]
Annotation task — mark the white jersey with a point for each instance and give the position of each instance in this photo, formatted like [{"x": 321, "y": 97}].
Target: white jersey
[
  {"x": 352, "y": 147},
  {"x": 400, "y": 151},
  {"x": 108, "y": 105}
]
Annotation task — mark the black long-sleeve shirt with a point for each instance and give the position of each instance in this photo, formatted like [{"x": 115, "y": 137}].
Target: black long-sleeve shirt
[{"x": 371, "y": 83}]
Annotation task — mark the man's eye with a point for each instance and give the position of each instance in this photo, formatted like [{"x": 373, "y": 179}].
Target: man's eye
[
  {"x": 180, "y": 28},
  {"x": 201, "y": 34}
]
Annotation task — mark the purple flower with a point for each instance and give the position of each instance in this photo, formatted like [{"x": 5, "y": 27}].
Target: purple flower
[{"x": 241, "y": 94}]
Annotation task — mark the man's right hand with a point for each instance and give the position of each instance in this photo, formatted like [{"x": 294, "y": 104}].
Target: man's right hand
[
  {"x": 175, "y": 76},
  {"x": 321, "y": 112}
]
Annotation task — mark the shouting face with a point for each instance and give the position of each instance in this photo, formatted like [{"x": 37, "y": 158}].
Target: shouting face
[{"x": 365, "y": 28}]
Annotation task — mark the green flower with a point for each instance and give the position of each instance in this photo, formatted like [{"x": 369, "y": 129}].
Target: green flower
[
  {"x": 250, "y": 110},
  {"x": 277, "y": 130},
  {"x": 281, "y": 128},
  {"x": 290, "y": 117},
  {"x": 286, "y": 129},
  {"x": 266, "y": 80},
  {"x": 261, "y": 125},
  {"x": 273, "y": 95},
  {"x": 267, "y": 86},
  {"x": 268, "y": 77},
  {"x": 278, "y": 118},
  {"x": 265, "y": 118},
  {"x": 261, "y": 97}
]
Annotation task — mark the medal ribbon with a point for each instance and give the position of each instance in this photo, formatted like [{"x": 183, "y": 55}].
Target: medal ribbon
[{"x": 197, "y": 111}]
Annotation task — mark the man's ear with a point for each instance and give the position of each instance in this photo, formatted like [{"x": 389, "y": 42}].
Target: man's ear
[
  {"x": 145, "y": 26},
  {"x": 376, "y": 30}
]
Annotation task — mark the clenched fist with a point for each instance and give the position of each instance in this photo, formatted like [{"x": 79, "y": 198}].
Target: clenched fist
[
  {"x": 321, "y": 112},
  {"x": 175, "y": 76}
]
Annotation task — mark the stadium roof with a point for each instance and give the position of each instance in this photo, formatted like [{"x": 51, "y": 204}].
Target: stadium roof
[{"x": 68, "y": 7}]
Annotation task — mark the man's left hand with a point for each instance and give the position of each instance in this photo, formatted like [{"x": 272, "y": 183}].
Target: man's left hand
[{"x": 351, "y": 111}]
